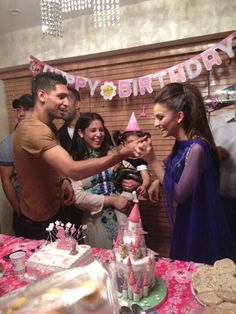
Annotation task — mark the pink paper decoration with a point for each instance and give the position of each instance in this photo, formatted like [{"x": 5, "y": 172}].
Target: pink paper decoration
[
  {"x": 124, "y": 88},
  {"x": 80, "y": 82},
  {"x": 108, "y": 90},
  {"x": 159, "y": 76},
  {"x": 210, "y": 57},
  {"x": 145, "y": 83},
  {"x": 143, "y": 112},
  {"x": 48, "y": 68},
  {"x": 93, "y": 85},
  {"x": 177, "y": 73},
  {"x": 36, "y": 67},
  {"x": 135, "y": 87},
  {"x": 70, "y": 79},
  {"x": 228, "y": 48},
  {"x": 193, "y": 72},
  {"x": 132, "y": 124}
]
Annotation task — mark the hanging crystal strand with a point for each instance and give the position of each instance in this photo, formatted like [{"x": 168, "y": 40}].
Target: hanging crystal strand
[
  {"x": 51, "y": 17},
  {"x": 44, "y": 16},
  {"x": 97, "y": 9},
  {"x": 117, "y": 12},
  {"x": 106, "y": 13}
]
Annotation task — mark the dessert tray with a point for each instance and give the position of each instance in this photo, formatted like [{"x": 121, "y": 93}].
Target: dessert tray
[{"x": 215, "y": 286}]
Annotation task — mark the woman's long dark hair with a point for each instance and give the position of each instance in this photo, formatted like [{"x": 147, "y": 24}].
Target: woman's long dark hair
[
  {"x": 188, "y": 99},
  {"x": 79, "y": 148}
]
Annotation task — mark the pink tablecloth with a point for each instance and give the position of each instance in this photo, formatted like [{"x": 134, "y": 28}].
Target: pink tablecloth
[{"x": 176, "y": 275}]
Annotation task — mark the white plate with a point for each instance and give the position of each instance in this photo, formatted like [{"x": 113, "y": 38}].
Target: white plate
[{"x": 194, "y": 292}]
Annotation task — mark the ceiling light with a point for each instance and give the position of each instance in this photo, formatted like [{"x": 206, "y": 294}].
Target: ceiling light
[
  {"x": 15, "y": 11},
  {"x": 106, "y": 13}
]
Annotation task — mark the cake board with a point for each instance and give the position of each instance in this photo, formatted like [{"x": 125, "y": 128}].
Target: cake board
[{"x": 155, "y": 298}]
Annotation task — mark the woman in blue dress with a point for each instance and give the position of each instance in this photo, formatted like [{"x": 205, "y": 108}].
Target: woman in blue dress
[{"x": 190, "y": 177}]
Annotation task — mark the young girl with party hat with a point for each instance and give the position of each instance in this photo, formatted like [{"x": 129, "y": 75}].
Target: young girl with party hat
[{"x": 135, "y": 169}]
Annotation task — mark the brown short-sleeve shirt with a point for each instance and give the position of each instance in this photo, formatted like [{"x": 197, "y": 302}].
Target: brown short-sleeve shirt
[{"x": 40, "y": 193}]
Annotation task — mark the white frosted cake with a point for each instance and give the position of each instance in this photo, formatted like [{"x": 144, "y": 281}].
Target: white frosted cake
[
  {"x": 133, "y": 263},
  {"x": 62, "y": 254},
  {"x": 50, "y": 259}
]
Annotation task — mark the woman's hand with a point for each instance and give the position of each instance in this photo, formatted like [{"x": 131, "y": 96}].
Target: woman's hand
[
  {"x": 141, "y": 190},
  {"x": 120, "y": 203},
  {"x": 154, "y": 191},
  {"x": 68, "y": 193}
]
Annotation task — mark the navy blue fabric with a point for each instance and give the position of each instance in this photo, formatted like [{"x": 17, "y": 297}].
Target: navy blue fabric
[{"x": 201, "y": 232}]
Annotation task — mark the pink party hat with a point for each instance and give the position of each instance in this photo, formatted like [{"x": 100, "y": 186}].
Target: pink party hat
[{"x": 133, "y": 124}]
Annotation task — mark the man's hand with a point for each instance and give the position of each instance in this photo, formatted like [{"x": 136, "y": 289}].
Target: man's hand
[
  {"x": 137, "y": 148},
  {"x": 68, "y": 193}
]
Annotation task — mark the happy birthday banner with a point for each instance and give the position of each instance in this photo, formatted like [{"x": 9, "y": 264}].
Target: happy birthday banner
[{"x": 181, "y": 72}]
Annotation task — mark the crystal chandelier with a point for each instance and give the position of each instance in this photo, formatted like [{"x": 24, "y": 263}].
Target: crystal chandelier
[{"x": 106, "y": 13}]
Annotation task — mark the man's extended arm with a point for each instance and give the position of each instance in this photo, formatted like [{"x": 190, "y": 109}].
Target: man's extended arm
[{"x": 60, "y": 160}]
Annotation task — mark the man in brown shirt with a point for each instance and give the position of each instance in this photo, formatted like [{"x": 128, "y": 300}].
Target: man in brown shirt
[{"x": 41, "y": 163}]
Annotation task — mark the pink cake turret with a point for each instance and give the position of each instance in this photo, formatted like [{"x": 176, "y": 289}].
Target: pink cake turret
[
  {"x": 134, "y": 218},
  {"x": 129, "y": 264},
  {"x": 131, "y": 285},
  {"x": 125, "y": 289},
  {"x": 137, "y": 293},
  {"x": 145, "y": 285},
  {"x": 133, "y": 253}
]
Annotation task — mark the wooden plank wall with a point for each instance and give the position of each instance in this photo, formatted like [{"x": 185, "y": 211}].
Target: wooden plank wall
[{"x": 116, "y": 113}]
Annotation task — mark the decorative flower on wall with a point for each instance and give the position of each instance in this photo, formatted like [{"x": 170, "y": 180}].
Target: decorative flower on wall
[{"x": 108, "y": 90}]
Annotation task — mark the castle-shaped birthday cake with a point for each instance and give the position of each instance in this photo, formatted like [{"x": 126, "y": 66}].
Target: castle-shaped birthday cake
[
  {"x": 132, "y": 261},
  {"x": 63, "y": 253}
]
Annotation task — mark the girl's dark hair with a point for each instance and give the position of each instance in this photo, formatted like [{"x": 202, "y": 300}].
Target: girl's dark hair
[
  {"x": 188, "y": 99},
  {"x": 120, "y": 137},
  {"x": 79, "y": 148}
]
